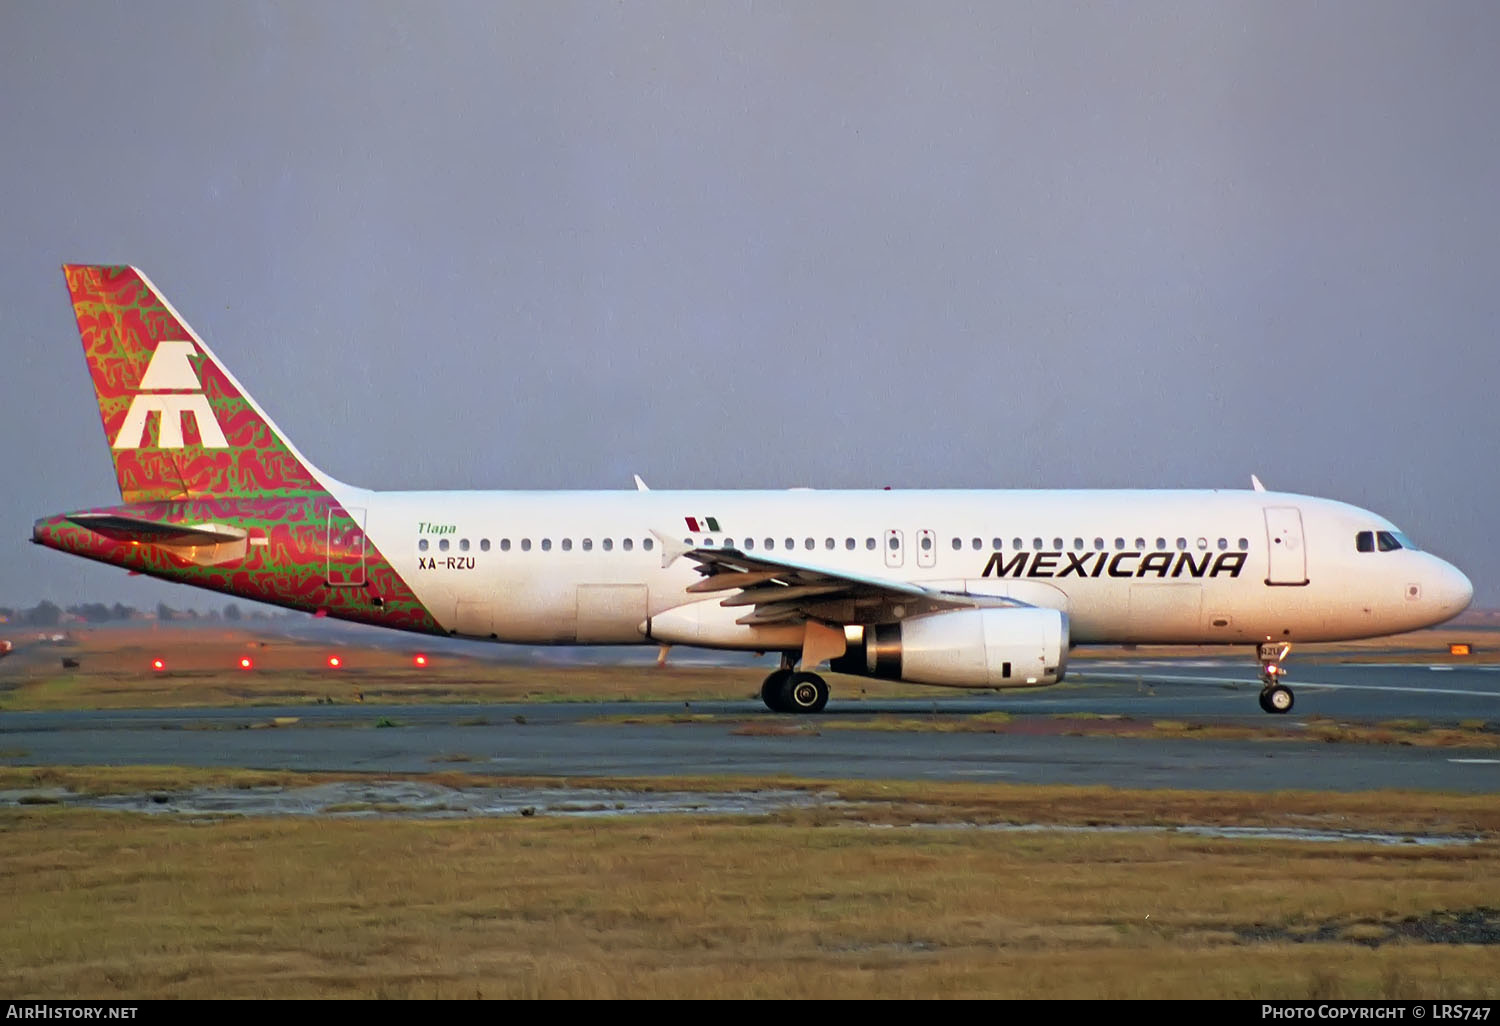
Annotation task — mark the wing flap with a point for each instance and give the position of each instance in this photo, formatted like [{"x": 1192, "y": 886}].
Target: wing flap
[{"x": 781, "y": 591}]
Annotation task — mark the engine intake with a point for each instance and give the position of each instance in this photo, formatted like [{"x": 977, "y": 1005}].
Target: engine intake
[{"x": 975, "y": 648}]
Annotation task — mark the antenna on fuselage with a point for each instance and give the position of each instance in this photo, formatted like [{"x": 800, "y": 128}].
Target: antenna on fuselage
[
  {"x": 640, "y": 485},
  {"x": 1255, "y": 483}
]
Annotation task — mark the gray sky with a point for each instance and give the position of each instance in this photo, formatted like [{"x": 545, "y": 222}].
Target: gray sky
[{"x": 549, "y": 245}]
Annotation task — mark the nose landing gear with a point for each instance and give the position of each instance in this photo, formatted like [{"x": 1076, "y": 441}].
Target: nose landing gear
[{"x": 1275, "y": 696}]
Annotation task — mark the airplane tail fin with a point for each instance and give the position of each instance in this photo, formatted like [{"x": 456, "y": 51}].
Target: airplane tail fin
[{"x": 179, "y": 426}]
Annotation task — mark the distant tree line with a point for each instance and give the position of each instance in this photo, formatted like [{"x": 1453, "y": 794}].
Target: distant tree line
[{"x": 50, "y": 614}]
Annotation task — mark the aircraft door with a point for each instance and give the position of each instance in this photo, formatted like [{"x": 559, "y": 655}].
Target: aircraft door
[
  {"x": 346, "y": 548},
  {"x": 926, "y": 548},
  {"x": 1287, "y": 562},
  {"x": 893, "y": 550}
]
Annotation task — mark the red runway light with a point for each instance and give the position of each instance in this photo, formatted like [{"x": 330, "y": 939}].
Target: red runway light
[
  {"x": 245, "y": 663},
  {"x": 419, "y": 660},
  {"x": 335, "y": 662},
  {"x": 158, "y": 664}
]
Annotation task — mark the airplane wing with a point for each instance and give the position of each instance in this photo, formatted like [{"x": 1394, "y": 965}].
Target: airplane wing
[{"x": 779, "y": 590}]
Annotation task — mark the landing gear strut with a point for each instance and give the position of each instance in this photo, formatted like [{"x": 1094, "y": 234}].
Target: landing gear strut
[
  {"x": 1275, "y": 697},
  {"x": 792, "y": 691}
]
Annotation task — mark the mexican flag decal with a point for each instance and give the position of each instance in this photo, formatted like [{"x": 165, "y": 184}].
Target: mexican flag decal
[{"x": 698, "y": 524}]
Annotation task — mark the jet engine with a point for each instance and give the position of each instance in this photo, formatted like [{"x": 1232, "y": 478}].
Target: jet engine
[{"x": 975, "y": 648}]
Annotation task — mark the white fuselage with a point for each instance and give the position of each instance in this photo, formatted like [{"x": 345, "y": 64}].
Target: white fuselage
[{"x": 1185, "y": 567}]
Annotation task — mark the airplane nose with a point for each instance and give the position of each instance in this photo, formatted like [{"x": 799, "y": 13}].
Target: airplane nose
[{"x": 1455, "y": 591}]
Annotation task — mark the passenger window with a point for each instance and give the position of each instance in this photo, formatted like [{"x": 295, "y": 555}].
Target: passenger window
[
  {"x": 1223, "y": 544},
  {"x": 927, "y": 543},
  {"x": 1182, "y": 544},
  {"x": 996, "y": 544},
  {"x": 567, "y": 544},
  {"x": 1244, "y": 544},
  {"x": 1120, "y": 544},
  {"x": 588, "y": 544},
  {"x": 463, "y": 545},
  {"x": 1057, "y": 544},
  {"x": 525, "y": 544},
  {"x": 1017, "y": 544},
  {"x": 828, "y": 543},
  {"x": 977, "y": 544},
  {"x": 849, "y": 544},
  {"x": 729, "y": 543},
  {"x": 647, "y": 544},
  {"x": 770, "y": 543},
  {"x": 504, "y": 544},
  {"x": 443, "y": 545},
  {"x": 749, "y": 544},
  {"x": 1099, "y": 544},
  {"x": 1203, "y": 543},
  {"x": 1387, "y": 541},
  {"x": 1077, "y": 543},
  {"x": 546, "y": 544},
  {"x": 484, "y": 545},
  {"x": 1161, "y": 544},
  {"x": 1036, "y": 543},
  {"x": 791, "y": 543},
  {"x": 626, "y": 544},
  {"x": 422, "y": 545},
  {"x": 809, "y": 544},
  {"x": 1140, "y": 544},
  {"x": 895, "y": 543},
  {"x": 958, "y": 543},
  {"x": 708, "y": 543},
  {"x": 870, "y": 544}
]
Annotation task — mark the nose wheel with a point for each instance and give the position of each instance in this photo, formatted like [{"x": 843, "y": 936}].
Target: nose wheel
[{"x": 1275, "y": 696}]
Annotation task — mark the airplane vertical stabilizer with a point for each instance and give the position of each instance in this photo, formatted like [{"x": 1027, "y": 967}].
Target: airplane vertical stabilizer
[{"x": 179, "y": 426}]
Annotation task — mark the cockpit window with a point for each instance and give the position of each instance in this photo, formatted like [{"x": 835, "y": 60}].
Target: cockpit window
[{"x": 1383, "y": 541}]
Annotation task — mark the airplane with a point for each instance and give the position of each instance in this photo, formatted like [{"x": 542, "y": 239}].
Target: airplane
[{"x": 967, "y": 589}]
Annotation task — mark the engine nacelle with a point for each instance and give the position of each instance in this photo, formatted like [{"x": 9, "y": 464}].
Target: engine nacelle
[{"x": 974, "y": 648}]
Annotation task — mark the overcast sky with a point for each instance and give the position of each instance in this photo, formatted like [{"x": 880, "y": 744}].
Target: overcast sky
[{"x": 735, "y": 245}]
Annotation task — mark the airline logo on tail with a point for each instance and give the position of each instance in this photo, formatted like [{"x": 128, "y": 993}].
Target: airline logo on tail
[{"x": 170, "y": 389}]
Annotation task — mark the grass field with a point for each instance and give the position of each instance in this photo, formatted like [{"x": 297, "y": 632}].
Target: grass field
[
  {"x": 906, "y": 891},
  {"x": 815, "y": 903}
]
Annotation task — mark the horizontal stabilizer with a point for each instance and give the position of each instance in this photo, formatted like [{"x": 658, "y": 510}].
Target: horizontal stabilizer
[
  {"x": 202, "y": 544},
  {"x": 155, "y": 532}
]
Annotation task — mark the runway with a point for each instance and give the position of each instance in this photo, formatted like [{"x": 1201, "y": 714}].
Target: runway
[{"x": 852, "y": 739}]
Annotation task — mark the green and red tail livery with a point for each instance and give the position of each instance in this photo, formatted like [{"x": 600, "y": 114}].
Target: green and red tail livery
[{"x": 177, "y": 424}]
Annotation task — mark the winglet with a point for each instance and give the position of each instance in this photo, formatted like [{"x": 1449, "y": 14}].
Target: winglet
[
  {"x": 640, "y": 485},
  {"x": 1255, "y": 483},
  {"x": 671, "y": 549}
]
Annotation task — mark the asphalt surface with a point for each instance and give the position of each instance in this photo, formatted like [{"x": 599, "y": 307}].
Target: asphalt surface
[{"x": 588, "y": 739}]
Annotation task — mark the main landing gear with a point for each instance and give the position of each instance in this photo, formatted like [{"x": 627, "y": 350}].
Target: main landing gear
[
  {"x": 1275, "y": 697},
  {"x": 792, "y": 691}
]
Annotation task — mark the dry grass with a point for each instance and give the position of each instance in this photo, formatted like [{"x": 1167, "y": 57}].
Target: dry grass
[{"x": 114, "y": 905}]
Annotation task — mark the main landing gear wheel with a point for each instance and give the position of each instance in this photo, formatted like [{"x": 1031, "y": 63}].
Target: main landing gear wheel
[
  {"x": 771, "y": 691},
  {"x": 804, "y": 693},
  {"x": 1277, "y": 698}
]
